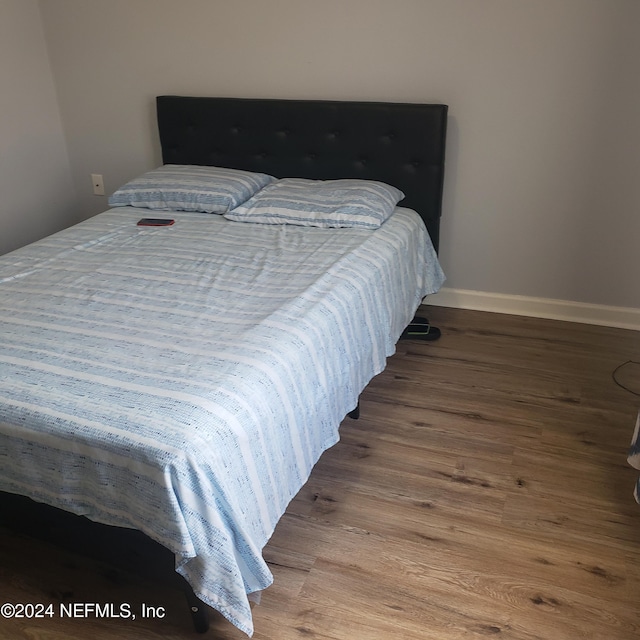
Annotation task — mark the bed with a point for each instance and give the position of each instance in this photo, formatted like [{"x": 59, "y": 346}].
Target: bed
[{"x": 182, "y": 381}]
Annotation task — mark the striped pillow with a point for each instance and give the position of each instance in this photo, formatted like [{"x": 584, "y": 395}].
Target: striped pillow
[
  {"x": 177, "y": 187},
  {"x": 363, "y": 204}
]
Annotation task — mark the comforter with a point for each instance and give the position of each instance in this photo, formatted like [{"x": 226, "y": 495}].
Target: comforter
[{"x": 184, "y": 380}]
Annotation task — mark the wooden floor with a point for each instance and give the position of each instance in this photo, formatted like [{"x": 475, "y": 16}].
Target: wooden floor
[{"x": 484, "y": 492}]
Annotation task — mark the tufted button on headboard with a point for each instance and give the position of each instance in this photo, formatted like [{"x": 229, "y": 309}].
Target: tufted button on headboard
[{"x": 401, "y": 144}]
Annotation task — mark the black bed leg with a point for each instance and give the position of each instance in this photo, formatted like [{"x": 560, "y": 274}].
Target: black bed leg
[
  {"x": 355, "y": 414},
  {"x": 199, "y": 612}
]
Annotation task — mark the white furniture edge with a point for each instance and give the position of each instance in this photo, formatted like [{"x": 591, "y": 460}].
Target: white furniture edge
[{"x": 621, "y": 317}]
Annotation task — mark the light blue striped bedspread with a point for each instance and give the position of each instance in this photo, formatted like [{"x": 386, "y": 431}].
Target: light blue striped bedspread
[{"x": 184, "y": 380}]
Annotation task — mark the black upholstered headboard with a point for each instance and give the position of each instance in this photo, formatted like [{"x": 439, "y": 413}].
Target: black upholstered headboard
[{"x": 401, "y": 144}]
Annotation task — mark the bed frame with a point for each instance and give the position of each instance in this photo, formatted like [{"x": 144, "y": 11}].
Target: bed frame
[{"x": 401, "y": 144}]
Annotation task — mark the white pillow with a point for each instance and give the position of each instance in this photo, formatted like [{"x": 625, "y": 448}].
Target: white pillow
[
  {"x": 178, "y": 187},
  {"x": 363, "y": 204}
]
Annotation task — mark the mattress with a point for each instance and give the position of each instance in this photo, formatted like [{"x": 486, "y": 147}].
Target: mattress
[{"x": 184, "y": 380}]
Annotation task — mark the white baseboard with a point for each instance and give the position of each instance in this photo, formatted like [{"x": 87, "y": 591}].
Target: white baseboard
[{"x": 621, "y": 317}]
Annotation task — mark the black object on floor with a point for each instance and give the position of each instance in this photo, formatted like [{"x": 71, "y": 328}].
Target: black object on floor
[{"x": 420, "y": 329}]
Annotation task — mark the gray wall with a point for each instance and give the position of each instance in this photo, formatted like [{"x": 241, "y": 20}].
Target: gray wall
[
  {"x": 542, "y": 194},
  {"x": 37, "y": 195}
]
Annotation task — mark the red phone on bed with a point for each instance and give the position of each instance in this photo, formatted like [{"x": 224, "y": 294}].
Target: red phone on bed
[{"x": 155, "y": 222}]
